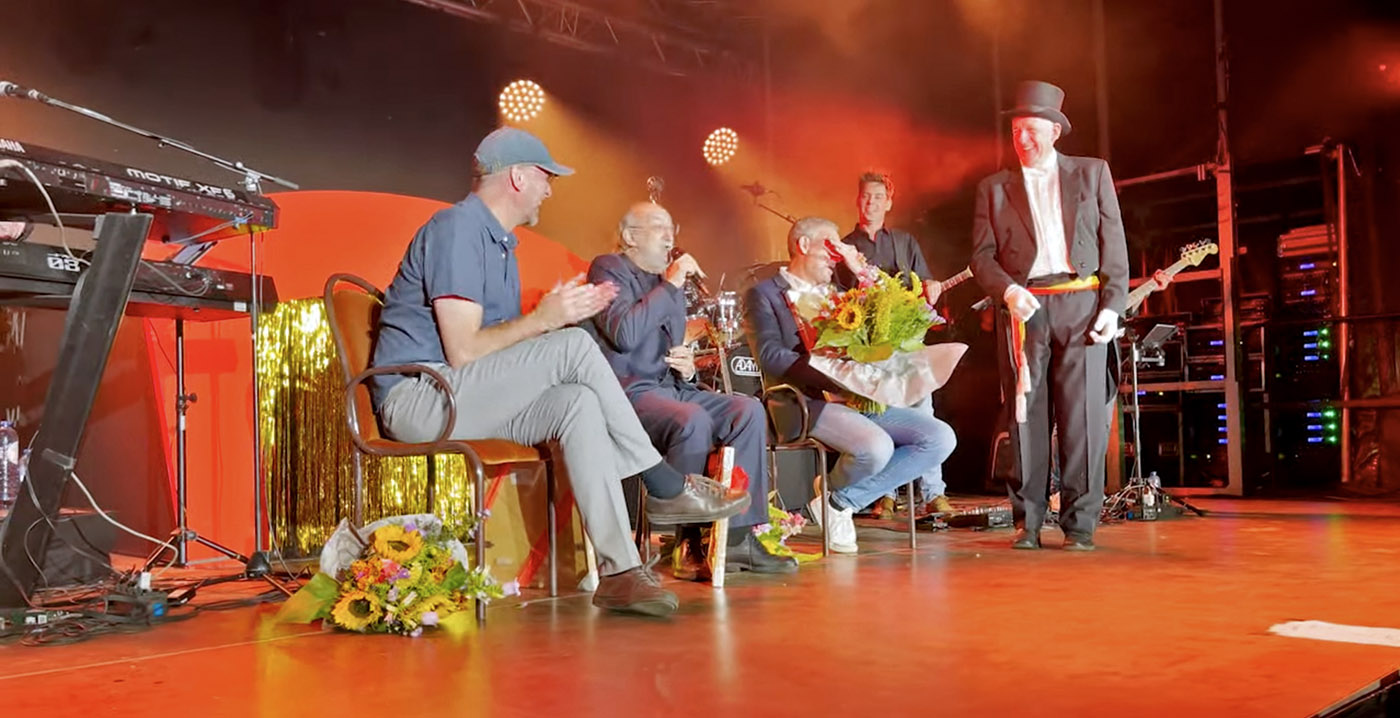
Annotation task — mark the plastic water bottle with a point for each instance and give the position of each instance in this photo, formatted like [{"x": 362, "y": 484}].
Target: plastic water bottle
[
  {"x": 9, "y": 465},
  {"x": 1149, "y": 497}
]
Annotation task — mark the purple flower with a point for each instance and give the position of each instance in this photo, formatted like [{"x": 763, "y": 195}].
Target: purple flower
[
  {"x": 394, "y": 594},
  {"x": 410, "y": 526},
  {"x": 511, "y": 588},
  {"x": 416, "y": 632},
  {"x": 430, "y": 618}
]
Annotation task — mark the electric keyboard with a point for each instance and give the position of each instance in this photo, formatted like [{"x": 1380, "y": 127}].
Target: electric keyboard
[
  {"x": 85, "y": 186},
  {"x": 40, "y": 275}
]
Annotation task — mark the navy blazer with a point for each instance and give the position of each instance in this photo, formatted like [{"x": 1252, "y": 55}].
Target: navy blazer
[
  {"x": 778, "y": 346},
  {"x": 1003, "y": 232},
  {"x": 640, "y": 326}
]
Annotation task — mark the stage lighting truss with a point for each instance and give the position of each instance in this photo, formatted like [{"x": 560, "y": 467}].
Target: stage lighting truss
[
  {"x": 522, "y": 101},
  {"x": 721, "y": 145}
]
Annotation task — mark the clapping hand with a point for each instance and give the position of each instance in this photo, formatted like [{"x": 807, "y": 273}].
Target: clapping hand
[{"x": 574, "y": 301}]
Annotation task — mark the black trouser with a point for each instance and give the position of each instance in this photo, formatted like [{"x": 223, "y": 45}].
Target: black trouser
[{"x": 1067, "y": 385}]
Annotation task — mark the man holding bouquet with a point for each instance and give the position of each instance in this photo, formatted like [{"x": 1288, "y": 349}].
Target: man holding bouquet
[{"x": 880, "y": 451}]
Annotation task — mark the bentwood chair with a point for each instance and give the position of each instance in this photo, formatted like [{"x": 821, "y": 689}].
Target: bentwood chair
[
  {"x": 353, "y": 315},
  {"x": 789, "y": 433}
]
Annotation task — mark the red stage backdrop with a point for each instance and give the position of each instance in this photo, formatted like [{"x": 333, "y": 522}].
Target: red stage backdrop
[{"x": 320, "y": 233}]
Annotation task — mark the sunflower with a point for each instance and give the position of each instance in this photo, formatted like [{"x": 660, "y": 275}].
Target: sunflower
[
  {"x": 396, "y": 544},
  {"x": 850, "y": 316},
  {"x": 356, "y": 610}
]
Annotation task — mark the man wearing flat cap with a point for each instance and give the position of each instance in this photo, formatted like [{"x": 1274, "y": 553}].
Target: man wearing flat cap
[{"x": 1048, "y": 243}]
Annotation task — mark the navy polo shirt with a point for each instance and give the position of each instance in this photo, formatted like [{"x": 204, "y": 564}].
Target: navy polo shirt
[{"x": 462, "y": 252}]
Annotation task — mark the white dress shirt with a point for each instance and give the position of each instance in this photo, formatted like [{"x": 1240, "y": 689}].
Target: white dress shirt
[
  {"x": 807, "y": 299},
  {"x": 1043, "y": 191}
]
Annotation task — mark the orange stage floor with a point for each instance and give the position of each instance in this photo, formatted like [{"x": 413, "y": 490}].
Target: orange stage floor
[{"x": 1165, "y": 619}]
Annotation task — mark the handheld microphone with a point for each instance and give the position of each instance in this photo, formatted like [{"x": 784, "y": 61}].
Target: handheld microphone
[{"x": 693, "y": 279}]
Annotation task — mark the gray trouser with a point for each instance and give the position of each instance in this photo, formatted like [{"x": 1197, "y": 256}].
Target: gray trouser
[{"x": 554, "y": 386}]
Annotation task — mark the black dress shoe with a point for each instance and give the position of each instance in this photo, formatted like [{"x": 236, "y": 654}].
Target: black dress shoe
[
  {"x": 1026, "y": 540},
  {"x": 1079, "y": 542},
  {"x": 752, "y": 555}
]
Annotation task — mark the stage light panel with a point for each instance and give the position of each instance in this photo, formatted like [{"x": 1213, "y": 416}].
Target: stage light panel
[
  {"x": 522, "y": 101},
  {"x": 721, "y": 146}
]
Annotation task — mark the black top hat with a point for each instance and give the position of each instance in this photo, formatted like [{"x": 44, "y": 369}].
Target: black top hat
[{"x": 1040, "y": 99}]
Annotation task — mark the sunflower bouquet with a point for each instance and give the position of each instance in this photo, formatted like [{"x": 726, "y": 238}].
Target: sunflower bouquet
[
  {"x": 870, "y": 339},
  {"x": 409, "y": 573}
]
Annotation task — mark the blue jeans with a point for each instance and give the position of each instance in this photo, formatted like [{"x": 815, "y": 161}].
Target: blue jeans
[{"x": 881, "y": 452}]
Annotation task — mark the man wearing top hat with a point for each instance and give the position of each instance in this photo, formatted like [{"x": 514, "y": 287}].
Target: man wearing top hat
[{"x": 1048, "y": 243}]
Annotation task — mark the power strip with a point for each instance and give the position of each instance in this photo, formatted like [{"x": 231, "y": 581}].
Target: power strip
[{"x": 27, "y": 617}]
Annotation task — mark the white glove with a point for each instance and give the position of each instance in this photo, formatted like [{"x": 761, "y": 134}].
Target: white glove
[
  {"x": 1105, "y": 327},
  {"x": 1020, "y": 301}
]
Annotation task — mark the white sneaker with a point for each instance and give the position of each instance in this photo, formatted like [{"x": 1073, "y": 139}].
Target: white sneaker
[
  {"x": 843, "y": 530},
  {"x": 842, "y": 533}
]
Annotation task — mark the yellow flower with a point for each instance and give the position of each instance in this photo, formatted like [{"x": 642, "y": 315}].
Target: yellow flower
[
  {"x": 356, "y": 610},
  {"x": 884, "y": 308},
  {"x": 916, "y": 286},
  {"x": 396, "y": 544},
  {"x": 850, "y": 316}
]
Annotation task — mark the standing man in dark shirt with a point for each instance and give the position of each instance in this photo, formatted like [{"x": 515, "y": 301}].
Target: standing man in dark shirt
[
  {"x": 642, "y": 335},
  {"x": 454, "y": 305},
  {"x": 894, "y": 251}
]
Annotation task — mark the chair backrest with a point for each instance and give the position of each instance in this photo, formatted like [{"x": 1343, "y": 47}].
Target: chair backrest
[{"x": 353, "y": 314}]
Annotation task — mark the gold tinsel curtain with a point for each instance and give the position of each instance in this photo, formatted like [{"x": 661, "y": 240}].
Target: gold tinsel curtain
[{"x": 308, "y": 460}]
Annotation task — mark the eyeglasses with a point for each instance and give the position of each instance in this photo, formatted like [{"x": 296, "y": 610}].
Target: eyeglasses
[{"x": 673, "y": 229}]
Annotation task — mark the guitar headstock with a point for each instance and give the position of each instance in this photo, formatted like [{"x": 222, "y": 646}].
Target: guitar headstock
[{"x": 1196, "y": 252}]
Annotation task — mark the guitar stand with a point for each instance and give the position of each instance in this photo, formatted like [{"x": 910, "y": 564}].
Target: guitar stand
[{"x": 1138, "y": 489}]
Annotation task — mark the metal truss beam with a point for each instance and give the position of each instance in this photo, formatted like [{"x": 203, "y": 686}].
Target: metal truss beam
[{"x": 582, "y": 27}]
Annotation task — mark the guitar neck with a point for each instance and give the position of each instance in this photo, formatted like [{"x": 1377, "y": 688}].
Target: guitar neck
[
  {"x": 1137, "y": 296},
  {"x": 955, "y": 280}
]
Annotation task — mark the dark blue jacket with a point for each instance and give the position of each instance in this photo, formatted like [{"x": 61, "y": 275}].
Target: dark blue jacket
[
  {"x": 778, "y": 346},
  {"x": 640, "y": 326}
]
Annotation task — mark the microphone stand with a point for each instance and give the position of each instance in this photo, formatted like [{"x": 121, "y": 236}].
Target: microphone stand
[
  {"x": 757, "y": 190},
  {"x": 1138, "y": 489},
  {"x": 252, "y": 179}
]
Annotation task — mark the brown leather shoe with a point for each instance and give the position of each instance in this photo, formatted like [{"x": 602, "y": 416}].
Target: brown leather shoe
[
  {"x": 702, "y": 501},
  {"x": 636, "y": 590},
  {"x": 688, "y": 559}
]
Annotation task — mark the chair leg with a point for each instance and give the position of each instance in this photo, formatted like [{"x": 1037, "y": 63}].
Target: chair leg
[
  {"x": 359, "y": 489},
  {"x": 479, "y": 538},
  {"x": 551, "y": 530},
  {"x": 432, "y": 484},
  {"x": 642, "y": 536},
  {"x": 913, "y": 531},
  {"x": 826, "y": 507}
]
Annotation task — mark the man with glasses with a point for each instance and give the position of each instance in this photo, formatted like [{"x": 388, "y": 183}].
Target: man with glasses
[
  {"x": 642, "y": 335},
  {"x": 455, "y": 305}
]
